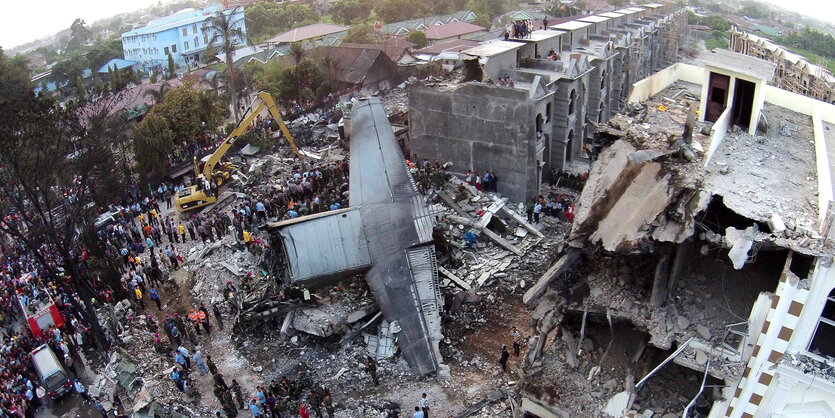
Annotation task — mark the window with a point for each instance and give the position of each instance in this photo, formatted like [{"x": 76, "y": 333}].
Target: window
[
  {"x": 823, "y": 342},
  {"x": 185, "y": 45},
  {"x": 571, "y": 99},
  {"x": 185, "y": 31},
  {"x": 196, "y": 42},
  {"x": 174, "y": 48},
  {"x": 548, "y": 112},
  {"x": 603, "y": 80},
  {"x": 194, "y": 29},
  {"x": 205, "y": 39}
]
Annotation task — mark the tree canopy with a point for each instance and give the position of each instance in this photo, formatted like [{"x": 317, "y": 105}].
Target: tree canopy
[
  {"x": 265, "y": 19},
  {"x": 811, "y": 40},
  {"x": 349, "y": 12},
  {"x": 418, "y": 38},
  {"x": 359, "y": 34},
  {"x": 80, "y": 34}
]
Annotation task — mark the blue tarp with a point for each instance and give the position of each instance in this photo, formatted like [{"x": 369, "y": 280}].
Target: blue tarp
[{"x": 118, "y": 62}]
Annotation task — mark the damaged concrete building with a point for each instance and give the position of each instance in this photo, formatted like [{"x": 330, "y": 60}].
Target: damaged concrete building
[
  {"x": 564, "y": 79},
  {"x": 705, "y": 229}
]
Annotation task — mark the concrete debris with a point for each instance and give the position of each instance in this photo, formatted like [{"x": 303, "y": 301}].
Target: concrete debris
[
  {"x": 741, "y": 243},
  {"x": 617, "y": 404}
]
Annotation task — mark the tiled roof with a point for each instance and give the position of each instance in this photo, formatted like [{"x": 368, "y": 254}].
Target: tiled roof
[
  {"x": 451, "y": 29},
  {"x": 303, "y": 33}
]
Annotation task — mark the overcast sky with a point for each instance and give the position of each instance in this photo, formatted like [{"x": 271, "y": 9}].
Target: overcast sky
[
  {"x": 820, "y": 9},
  {"x": 22, "y": 21}
]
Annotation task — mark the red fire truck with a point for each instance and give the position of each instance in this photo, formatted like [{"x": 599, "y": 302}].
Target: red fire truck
[{"x": 40, "y": 314}]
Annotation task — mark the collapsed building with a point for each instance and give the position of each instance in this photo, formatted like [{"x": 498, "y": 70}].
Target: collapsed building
[
  {"x": 564, "y": 79},
  {"x": 705, "y": 224}
]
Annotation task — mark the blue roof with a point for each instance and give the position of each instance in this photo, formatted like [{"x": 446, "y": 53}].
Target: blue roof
[{"x": 118, "y": 62}]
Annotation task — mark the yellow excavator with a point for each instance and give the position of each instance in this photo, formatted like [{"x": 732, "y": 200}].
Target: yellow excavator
[{"x": 214, "y": 171}]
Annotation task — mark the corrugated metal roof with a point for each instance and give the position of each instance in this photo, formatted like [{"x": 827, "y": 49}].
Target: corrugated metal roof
[
  {"x": 451, "y": 29},
  {"x": 324, "y": 245}
]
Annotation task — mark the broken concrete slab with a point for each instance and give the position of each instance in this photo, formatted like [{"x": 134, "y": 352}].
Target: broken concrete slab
[
  {"x": 561, "y": 266},
  {"x": 617, "y": 404},
  {"x": 518, "y": 218},
  {"x": 455, "y": 279},
  {"x": 741, "y": 242}
]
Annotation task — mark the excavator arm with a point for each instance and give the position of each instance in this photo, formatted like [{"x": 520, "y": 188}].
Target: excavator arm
[
  {"x": 276, "y": 114},
  {"x": 263, "y": 100}
]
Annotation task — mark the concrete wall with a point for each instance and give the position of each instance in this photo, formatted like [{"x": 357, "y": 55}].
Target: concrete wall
[
  {"x": 600, "y": 82},
  {"x": 653, "y": 84},
  {"x": 564, "y": 123},
  {"x": 480, "y": 127},
  {"x": 495, "y": 64}
]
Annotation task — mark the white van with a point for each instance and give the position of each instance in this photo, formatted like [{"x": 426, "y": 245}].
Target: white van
[{"x": 53, "y": 377}]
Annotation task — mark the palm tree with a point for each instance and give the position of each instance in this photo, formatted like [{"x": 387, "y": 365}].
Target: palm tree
[
  {"x": 157, "y": 95},
  {"x": 330, "y": 64},
  {"x": 297, "y": 51},
  {"x": 227, "y": 33}
]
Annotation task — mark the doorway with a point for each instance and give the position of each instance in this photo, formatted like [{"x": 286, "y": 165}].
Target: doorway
[
  {"x": 743, "y": 104},
  {"x": 717, "y": 96}
]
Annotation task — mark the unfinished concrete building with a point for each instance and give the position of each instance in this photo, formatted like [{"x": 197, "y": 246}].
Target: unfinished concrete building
[
  {"x": 712, "y": 239},
  {"x": 794, "y": 73},
  {"x": 566, "y": 78}
]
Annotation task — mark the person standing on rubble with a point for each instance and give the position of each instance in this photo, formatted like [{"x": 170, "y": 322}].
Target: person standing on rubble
[
  {"x": 202, "y": 309},
  {"x": 218, "y": 378},
  {"x": 211, "y": 364},
  {"x": 327, "y": 402},
  {"x": 424, "y": 405},
  {"x": 529, "y": 211},
  {"x": 195, "y": 321},
  {"x": 537, "y": 210},
  {"x": 371, "y": 366},
  {"x": 503, "y": 358},
  {"x": 303, "y": 413},
  {"x": 253, "y": 408},
  {"x": 315, "y": 402},
  {"x": 229, "y": 404},
  {"x": 201, "y": 364},
  {"x": 517, "y": 341},
  {"x": 179, "y": 359},
  {"x": 155, "y": 298},
  {"x": 236, "y": 387},
  {"x": 184, "y": 351},
  {"x": 418, "y": 413},
  {"x": 79, "y": 387},
  {"x": 218, "y": 315}
]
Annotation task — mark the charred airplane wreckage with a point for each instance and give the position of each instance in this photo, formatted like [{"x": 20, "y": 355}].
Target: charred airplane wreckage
[{"x": 385, "y": 235}]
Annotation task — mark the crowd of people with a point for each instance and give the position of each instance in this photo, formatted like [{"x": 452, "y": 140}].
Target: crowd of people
[
  {"x": 29, "y": 288},
  {"x": 488, "y": 183},
  {"x": 556, "y": 205}
]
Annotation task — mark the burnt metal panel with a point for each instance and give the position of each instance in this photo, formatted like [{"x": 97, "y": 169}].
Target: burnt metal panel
[
  {"x": 326, "y": 246},
  {"x": 395, "y": 220}
]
